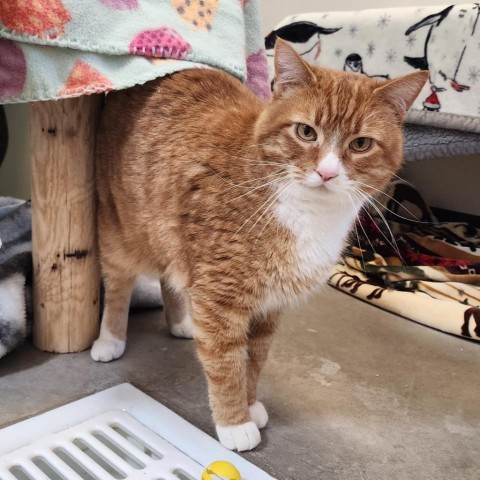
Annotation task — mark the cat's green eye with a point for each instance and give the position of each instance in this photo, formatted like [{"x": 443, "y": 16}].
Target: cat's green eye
[
  {"x": 305, "y": 132},
  {"x": 361, "y": 144}
]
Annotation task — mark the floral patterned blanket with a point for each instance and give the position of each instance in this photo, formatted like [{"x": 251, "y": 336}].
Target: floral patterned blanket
[
  {"x": 402, "y": 259},
  {"x": 63, "y": 48}
]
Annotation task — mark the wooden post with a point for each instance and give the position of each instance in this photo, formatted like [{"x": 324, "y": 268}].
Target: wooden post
[{"x": 66, "y": 276}]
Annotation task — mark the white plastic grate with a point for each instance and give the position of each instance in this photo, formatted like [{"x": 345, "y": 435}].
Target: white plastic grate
[{"x": 117, "y": 434}]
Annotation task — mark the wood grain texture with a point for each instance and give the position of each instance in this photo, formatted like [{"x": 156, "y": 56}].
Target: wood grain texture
[{"x": 66, "y": 274}]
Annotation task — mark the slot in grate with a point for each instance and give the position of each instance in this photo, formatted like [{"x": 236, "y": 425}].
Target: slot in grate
[
  {"x": 19, "y": 473},
  {"x": 100, "y": 459},
  {"x": 43, "y": 464},
  {"x": 181, "y": 475},
  {"x": 121, "y": 452},
  {"x": 136, "y": 442},
  {"x": 75, "y": 466}
]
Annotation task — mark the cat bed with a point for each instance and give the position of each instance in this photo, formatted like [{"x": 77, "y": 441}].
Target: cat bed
[
  {"x": 15, "y": 275},
  {"x": 387, "y": 43},
  {"x": 66, "y": 48},
  {"x": 417, "y": 267}
]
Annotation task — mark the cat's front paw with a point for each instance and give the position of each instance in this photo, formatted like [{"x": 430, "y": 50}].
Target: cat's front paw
[
  {"x": 258, "y": 414},
  {"x": 239, "y": 437},
  {"x": 107, "y": 350}
]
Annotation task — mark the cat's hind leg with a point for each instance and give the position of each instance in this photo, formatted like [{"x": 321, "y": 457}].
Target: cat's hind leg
[
  {"x": 221, "y": 335},
  {"x": 113, "y": 330},
  {"x": 177, "y": 313},
  {"x": 260, "y": 337}
]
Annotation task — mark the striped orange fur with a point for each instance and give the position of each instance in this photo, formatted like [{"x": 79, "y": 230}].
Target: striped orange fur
[{"x": 214, "y": 191}]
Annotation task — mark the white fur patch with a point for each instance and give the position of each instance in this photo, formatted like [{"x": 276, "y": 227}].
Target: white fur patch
[
  {"x": 12, "y": 301},
  {"x": 239, "y": 437},
  {"x": 320, "y": 219},
  {"x": 258, "y": 414},
  {"x": 107, "y": 347},
  {"x": 183, "y": 329}
]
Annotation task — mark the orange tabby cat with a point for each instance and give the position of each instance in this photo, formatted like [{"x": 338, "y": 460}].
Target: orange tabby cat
[{"x": 241, "y": 207}]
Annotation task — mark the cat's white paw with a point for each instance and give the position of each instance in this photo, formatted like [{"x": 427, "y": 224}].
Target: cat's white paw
[
  {"x": 183, "y": 329},
  {"x": 258, "y": 414},
  {"x": 239, "y": 437},
  {"x": 106, "y": 350}
]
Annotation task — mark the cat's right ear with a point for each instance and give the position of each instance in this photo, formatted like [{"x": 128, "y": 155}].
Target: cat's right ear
[{"x": 291, "y": 71}]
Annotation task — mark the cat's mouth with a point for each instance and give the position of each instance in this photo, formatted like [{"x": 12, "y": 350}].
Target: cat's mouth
[{"x": 316, "y": 182}]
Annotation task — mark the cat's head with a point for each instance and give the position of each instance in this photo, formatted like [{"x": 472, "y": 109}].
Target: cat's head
[{"x": 335, "y": 131}]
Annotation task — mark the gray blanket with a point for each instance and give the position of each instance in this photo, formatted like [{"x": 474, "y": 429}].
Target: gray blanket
[
  {"x": 15, "y": 271},
  {"x": 16, "y": 274}
]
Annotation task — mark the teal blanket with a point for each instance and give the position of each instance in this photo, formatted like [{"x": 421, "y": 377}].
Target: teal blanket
[{"x": 53, "y": 49}]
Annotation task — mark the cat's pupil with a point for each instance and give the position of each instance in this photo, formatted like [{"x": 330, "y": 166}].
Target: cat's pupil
[
  {"x": 361, "y": 142},
  {"x": 305, "y": 132}
]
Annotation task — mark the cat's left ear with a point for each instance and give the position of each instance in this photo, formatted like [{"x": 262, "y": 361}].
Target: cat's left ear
[
  {"x": 402, "y": 92},
  {"x": 291, "y": 71}
]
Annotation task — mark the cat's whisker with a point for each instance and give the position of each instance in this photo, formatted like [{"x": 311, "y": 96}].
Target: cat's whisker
[
  {"x": 397, "y": 215},
  {"x": 253, "y": 214},
  {"x": 269, "y": 164},
  {"x": 364, "y": 203},
  {"x": 269, "y": 199},
  {"x": 394, "y": 200},
  {"x": 247, "y": 159},
  {"x": 394, "y": 247},
  {"x": 239, "y": 185},
  {"x": 361, "y": 226},
  {"x": 272, "y": 215},
  {"x": 399, "y": 178},
  {"x": 253, "y": 189},
  {"x": 393, "y": 244},
  {"x": 264, "y": 177},
  {"x": 356, "y": 229},
  {"x": 272, "y": 202}
]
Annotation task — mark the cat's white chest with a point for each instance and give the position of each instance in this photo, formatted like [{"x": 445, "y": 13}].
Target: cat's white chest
[{"x": 319, "y": 223}]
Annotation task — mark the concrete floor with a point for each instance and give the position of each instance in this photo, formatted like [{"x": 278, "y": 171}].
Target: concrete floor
[{"x": 353, "y": 392}]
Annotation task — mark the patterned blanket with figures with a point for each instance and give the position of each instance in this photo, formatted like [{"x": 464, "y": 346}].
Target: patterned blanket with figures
[
  {"x": 403, "y": 260},
  {"x": 386, "y": 43}
]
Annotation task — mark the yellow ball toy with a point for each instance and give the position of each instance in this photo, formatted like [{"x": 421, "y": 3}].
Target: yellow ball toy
[{"x": 221, "y": 471}]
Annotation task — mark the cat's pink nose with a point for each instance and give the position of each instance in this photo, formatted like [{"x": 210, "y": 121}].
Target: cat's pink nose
[
  {"x": 329, "y": 167},
  {"x": 327, "y": 175}
]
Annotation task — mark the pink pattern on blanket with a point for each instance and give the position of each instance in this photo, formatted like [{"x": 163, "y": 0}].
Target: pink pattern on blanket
[
  {"x": 13, "y": 68},
  {"x": 257, "y": 74},
  {"x": 163, "y": 42},
  {"x": 121, "y": 4},
  {"x": 85, "y": 80},
  {"x": 42, "y": 18}
]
